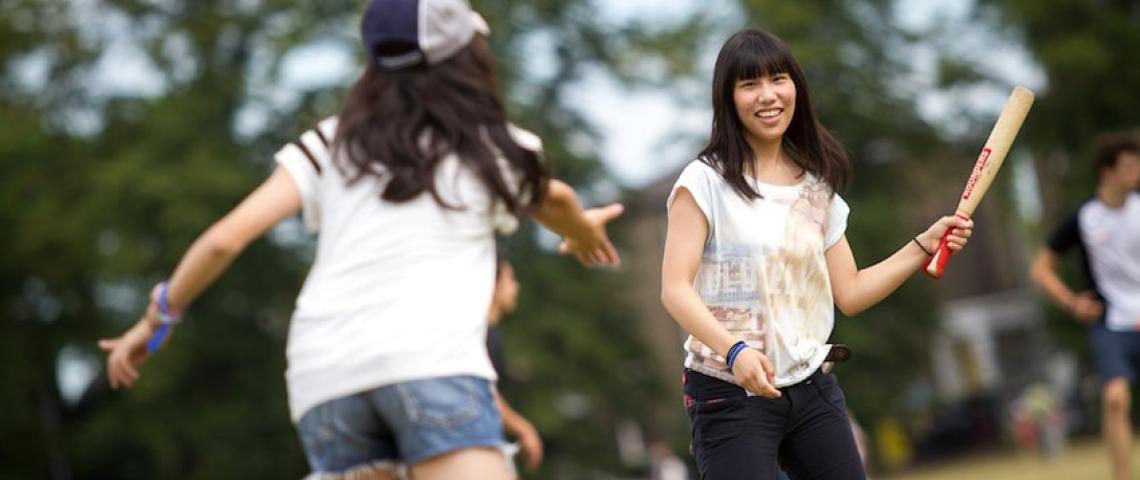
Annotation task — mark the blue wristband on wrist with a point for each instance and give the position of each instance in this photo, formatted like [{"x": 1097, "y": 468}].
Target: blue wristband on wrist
[
  {"x": 167, "y": 316},
  {"x": 160, "y": 296},
  {"x": 735, "y": 350},
  {"x": 155, "y": 341}
]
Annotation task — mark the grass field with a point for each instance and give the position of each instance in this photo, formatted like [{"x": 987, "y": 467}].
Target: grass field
[{"x": 1083, "y": 460}]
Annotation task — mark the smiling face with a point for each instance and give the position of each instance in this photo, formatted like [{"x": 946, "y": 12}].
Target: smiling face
[
  {"x": 765, "y": 106},
  {"x": 761, "y": 100},
  {"x": 760, "y": 95}
]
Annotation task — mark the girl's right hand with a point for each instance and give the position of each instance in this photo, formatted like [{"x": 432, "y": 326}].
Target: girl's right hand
[
  {"x": 962, "y": 230},
  {"x": 592, "y": 244},
  {"x": 755, "y": 373}
]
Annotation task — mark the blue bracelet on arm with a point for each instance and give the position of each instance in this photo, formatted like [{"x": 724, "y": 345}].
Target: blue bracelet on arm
[
  {"x": 735, "y": 350},
  {"x": 166, "y": 316},
  {"x": 155, "y": 341}
]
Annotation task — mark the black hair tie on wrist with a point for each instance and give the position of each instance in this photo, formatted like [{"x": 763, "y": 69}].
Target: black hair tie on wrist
[{"x": 922, "y": 247}]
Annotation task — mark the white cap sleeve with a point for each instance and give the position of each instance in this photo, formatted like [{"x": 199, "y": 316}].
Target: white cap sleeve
[
  {"x": 836, "y": 220},
  {"x": 503, "y": 220},
  {"x": 695, "y": 178},
  {"x": 305, "y": 160},
  {"x": 525, "y": 138}
]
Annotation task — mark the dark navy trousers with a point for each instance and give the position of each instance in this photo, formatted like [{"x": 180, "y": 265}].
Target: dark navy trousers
[{"x": 739, "y": 437}]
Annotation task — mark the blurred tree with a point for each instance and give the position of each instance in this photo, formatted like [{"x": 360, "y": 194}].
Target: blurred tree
[
  {"x": 106, "y": 182},
  {"x": 106, "y": 189}
]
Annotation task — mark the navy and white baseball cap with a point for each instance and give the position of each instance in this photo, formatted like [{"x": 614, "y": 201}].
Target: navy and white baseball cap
[{"x": 424, "y": 32}]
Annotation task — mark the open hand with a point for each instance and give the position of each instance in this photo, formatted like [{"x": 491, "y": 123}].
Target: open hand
[
  {"x": 592, "y": 245},
  {"x": 127, "y": 352}
]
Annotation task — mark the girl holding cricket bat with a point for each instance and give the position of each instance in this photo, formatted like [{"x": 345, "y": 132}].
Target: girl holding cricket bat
[
  {"x": 407, "y": 187},
  {"x": 755, "y": 259}
]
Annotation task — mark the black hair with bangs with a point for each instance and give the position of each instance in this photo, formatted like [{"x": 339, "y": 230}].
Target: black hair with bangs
[{"x": 752, "y": 54}]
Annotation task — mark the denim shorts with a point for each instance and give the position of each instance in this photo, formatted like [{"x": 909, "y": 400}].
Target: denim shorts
[{"x": 403, "y": 423}]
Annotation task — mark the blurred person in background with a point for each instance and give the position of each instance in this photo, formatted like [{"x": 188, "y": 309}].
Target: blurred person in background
[
  {"x": 1037, "y": 417},
  {"x": 664, "y": 464},
  {"x": 1105, "y": 229},
  {"x": 503, "y": 301},
  {"x": 755, "y": 263},
  {"x": 407, "y": 186}
]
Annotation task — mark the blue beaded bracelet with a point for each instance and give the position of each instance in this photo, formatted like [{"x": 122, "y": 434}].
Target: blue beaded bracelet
[{"x": 737, "y": 347}]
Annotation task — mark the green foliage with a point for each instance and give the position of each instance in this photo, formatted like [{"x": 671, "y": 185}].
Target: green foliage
[
  {"x": 953, "y": 73},
  {"x": 579, "y": 365},
  {"x": 103, "y": 195}
]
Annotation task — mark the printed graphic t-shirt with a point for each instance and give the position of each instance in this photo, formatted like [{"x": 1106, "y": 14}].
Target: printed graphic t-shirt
[{"x": 763, "y": 274}]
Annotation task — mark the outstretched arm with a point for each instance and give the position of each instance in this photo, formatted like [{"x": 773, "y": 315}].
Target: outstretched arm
[
  {"x": 583, "y": 232},
  {"x": 856, "y": 290},
  {"x": 273, "y": 201},
  {"x": 209, "y": 256}
]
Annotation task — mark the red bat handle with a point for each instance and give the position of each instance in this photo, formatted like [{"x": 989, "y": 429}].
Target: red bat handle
[{"x": 936, "y": 264}]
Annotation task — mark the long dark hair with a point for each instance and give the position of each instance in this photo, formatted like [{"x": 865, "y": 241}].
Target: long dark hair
[
  {"x": 751, "y": 54},
  {"x": 397, "y": 125}
]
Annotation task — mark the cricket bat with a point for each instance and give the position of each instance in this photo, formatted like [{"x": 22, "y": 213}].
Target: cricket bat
[{"x": 985, "y": 169}]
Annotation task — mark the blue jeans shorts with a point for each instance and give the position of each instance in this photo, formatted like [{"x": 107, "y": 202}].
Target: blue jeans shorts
[
  {"x": 403, "y": 423},
  {"x": 1117, "y": 354}
]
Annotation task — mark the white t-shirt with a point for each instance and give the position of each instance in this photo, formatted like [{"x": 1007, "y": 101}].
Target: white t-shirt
[
  {"x": 763, "y": 274},
  {"x": 398, "y": 291},
  {"x": 1110, "y": 240}
]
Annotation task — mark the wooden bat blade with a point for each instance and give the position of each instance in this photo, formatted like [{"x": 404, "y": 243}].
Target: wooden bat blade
[
  {"x": 986, "y": 167},
  {"x": 997, "y": 147}
]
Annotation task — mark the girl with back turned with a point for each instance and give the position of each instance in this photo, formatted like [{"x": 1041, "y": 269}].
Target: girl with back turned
[{"x": 407, "y": 187}]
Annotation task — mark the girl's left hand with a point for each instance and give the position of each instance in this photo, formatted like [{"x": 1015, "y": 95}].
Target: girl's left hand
[
  {"x": 963, "y": 229},
  {"x": 128, "y": 351}
]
